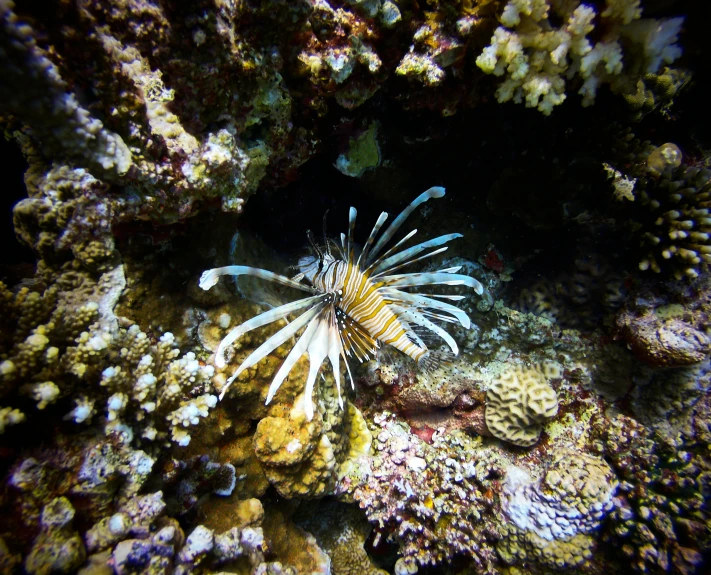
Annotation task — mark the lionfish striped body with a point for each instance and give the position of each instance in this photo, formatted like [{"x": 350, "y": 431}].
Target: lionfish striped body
[{"x": 355, "y": 303}]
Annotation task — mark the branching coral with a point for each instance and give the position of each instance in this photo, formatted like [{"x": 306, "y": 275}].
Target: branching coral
[
  {"x": 670, "y": 206},
  {"x": 537, "y": 57},
  {"x": 51, "y": 350},
  {"x": 86, "y": 497},
  {"x": 64, "y": 127}
]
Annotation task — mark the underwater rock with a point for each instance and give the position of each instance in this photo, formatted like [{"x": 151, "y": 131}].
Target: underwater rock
[
  {"x": 363, "y": 153},
  {"x": 58, "y": 548},
  {"x": 186, "y": 482},
  {"x": 663, "y": 342},
  {"x": 303, "y": 458},
  {"x": 341, "y": 531},
  {"x": 435, "y": 502},
  {"x": 660, "y": 519}
]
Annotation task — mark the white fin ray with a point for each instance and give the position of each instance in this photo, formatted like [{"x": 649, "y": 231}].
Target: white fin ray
[
  {"x": 434, "y": 192},
  {"x": 391, "y": 250},
  {"x": 438, "y": 316},
  {"x": 371, "y": 238},
  {"x": 294, "y": 355},
  {"x": 435, "y": 278},
  {"x": 272, "y": 343},
  {"x": 419, "y": 319},
  {"x": 452, "y": 270},
  {"x": 422, "y": 301},
  {"x": 334, "y": 356},
  {"x": 444, "y": 296},
  {"x": 318, "y": 351},
  {"x": 352, "y": 213},
  {"x": 210, "y": 277},
  {"x": 387, "y": 263},
  {"x": 412, "y": 261},
  {"x": 261, "y": 320}
]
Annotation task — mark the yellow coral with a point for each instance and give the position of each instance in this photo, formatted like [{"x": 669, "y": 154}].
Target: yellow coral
[{"x": 520, "y": 402}]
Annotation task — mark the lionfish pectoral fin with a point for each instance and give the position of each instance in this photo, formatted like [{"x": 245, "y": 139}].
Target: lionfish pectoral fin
[
  {"x": 294, "y": 355},
  {"x": 272, "y": 343},
  {"x": 423, "y": 302},
  {"x": 318, "y": 351},
  {"x": 434, "y": 192},
  {"x": 435, "y": 358},
  {"x": 334, "y": 356},
  {"x": 209, "y": 278},
  {"x": 418, "y": 319},
  {"x": 261, "y": 320},
  {"x": 344, "y": 351}
]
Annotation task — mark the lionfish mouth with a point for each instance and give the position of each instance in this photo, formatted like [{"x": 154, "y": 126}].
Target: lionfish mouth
[{"x": 355, "y": 304}]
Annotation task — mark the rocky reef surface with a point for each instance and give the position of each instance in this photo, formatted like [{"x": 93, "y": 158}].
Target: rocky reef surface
[{"x": 572, "y": 433}]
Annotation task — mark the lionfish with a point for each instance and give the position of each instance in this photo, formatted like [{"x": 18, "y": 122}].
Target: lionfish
[{"x": 355, "y": 303}]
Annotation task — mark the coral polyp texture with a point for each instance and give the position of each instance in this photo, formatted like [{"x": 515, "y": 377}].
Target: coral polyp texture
[
  {"x": 660, "y": 519},
  {"x": 53, "y": 351},
  {"x": 670, "y": 202},
  {"x": 520, "y": 402},
  {"x": 551, "y": 519},
  {"x": 539, "y": 58}
]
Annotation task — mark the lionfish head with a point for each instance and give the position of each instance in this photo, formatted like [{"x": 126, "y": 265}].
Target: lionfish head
[{"x": 310, "y": 265}]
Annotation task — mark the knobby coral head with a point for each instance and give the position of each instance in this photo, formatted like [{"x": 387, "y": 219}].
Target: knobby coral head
[{"x": 355, "y": 303}]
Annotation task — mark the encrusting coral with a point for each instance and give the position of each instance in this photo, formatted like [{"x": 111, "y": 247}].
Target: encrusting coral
[
  {"x": 520, "y": 402},
  {"x": 434, "y": 501},
  {"x": 660, "y": 520},
  {"x": 537, "y": 57},
  {"x": 550, "y": 519},
  {"x": 341, "y": 530}
]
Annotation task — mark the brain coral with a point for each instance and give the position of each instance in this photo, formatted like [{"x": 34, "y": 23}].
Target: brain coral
[{"x": 520, "y": 402}]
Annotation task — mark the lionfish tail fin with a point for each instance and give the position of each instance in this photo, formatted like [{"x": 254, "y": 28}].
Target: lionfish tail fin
[{"x": 435, "y": 359}]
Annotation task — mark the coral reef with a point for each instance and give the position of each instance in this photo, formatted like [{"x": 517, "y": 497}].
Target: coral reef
[
  {"x": 434, "y": 501},
  {"x": 520, "y": 402},
  {"x": 341, "y": 531},
  {"x": 537, "y": 56},
  {"x": 53, "y": 350},
  {"x": 660, "y": 518},
  {"x": 551, "y": 518},
  {"x": 571, "y": 432},
  {"x": 591, "y": 289},
  {"x": 669, "y": 205},
  {"x": 663, "y": 341}
]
